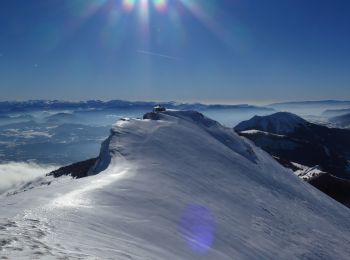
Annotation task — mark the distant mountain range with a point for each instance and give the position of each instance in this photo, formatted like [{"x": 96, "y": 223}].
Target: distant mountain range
[
  {"x": 311, "y": 107},
  {"x": 312, "y": 103},
  {"x": 336, "y": 112},
  {"x": 15, "y": 106},
  {"x": 20, "y": 106}
]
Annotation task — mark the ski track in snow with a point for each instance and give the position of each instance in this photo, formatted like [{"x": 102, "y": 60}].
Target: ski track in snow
[
  {"x": 32, "y": 231},
  {"x": 31, "y": 236}
]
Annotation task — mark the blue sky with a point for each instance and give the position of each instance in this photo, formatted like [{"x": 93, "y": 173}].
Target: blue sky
[{"x": 185, "y": 50}]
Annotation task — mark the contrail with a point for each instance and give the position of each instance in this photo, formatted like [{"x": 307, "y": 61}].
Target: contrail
[{"x": 158, "y": 55}]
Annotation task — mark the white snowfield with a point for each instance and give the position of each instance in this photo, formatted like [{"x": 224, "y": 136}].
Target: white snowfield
[{"x": 175, "y": 186}]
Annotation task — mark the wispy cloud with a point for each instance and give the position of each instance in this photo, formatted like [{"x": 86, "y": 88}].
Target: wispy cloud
[
  {"x": 13, "y": 174},
  {"x": 159, "y": 55}
]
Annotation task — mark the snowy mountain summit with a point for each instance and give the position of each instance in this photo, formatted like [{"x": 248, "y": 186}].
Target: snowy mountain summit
[
  {"x": 277, "y": 123},
  {"x": 175, "y": 185}
]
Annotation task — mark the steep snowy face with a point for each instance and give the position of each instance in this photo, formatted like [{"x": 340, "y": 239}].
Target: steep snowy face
[
  {"x": 176, "y": 185},
  {"x": 278, "y": 123}
]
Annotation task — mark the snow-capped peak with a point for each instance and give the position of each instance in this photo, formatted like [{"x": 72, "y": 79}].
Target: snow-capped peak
[
  {"x": 277, "y": 123},
  {"x": 189, "y": 115}
]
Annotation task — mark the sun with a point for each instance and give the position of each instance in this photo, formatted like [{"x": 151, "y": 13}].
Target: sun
[
  {"x": 159, "y": 5},
  {"x": 173, "y": 11}
]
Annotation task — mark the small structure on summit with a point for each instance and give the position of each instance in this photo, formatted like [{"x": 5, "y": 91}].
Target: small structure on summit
[{"x": 159, "y": 108}]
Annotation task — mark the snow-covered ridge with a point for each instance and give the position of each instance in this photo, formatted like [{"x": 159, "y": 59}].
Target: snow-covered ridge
[
  {"x": 277, "y": 123},
  {"x": 165, "y": 123},
  {"x": 176, "y": 185}
]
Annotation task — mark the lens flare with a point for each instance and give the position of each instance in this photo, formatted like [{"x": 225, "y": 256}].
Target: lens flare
[
  {"x": 198, "y": 228},
  {"x": 128, "y": 5},
  {"x": 144, "y": 8},
  {"x": 160, "y": 5},
  {"x": 144, "y": 16},
  {"x": 205, "y": 18}
]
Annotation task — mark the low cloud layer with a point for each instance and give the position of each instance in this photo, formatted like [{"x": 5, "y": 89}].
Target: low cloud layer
[{"x": 13, "y": 174}]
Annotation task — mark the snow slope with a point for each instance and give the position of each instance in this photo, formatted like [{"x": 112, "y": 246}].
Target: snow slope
[
  {"x": 175, "y": 185},
  {"x": 277, "y": 123}
]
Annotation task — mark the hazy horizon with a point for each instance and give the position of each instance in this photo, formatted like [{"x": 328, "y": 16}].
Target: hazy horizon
[{"x": 205, "y": 102}]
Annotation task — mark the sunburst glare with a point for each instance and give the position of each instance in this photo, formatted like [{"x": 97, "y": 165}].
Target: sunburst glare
[
  {"x": 149, "y": 15},
  {"x": 89, "y": 8}
]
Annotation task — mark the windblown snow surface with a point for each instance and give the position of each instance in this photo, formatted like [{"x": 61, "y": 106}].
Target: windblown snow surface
[{"x": 175, "y": 185}]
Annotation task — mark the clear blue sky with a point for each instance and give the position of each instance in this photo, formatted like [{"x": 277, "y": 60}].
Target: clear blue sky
[{"x": 185, "y": 50}]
